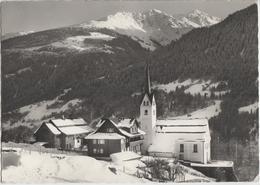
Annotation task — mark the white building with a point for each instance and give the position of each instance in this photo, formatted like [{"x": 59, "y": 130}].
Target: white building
[{"x": 187, "y": 140}]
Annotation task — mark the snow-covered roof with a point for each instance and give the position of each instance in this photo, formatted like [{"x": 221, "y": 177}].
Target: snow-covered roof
[
  {"x": 68, "y": 122},
  {"x": 126, "y": 123},
  {"x": 183, "y": 129},
  {"x": 182, "y": 122},
  {"x": 100, "y": 135},
  {"x": 131, "y": 135},
  {"x": 53, "y": 129},
  {"x": 100, "y": 123},
  {"x": 183, "y": 126},
  {"x": 141, "y": 132},
  {"x": 121, "y": 131},
  {"x": 124, "y": 156},
  {"x": 73, "y": 130},
  {"x": 79, "y": 121}
]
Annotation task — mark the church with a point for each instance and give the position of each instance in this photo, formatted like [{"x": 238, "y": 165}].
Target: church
[{"x": 188, "y": 140}]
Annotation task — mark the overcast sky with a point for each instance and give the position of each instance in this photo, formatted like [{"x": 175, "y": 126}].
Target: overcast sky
[{"x": 36, "y": 15}]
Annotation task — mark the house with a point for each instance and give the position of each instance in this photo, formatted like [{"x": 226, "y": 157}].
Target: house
[
  {"x": 63, "y": 133},
  {"x": 111, "y": 137},
  {"x": 187, "y": 140}
]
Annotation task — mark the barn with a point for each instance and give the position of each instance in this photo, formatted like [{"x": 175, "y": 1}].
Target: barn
[{"x": 65, "y": 134}]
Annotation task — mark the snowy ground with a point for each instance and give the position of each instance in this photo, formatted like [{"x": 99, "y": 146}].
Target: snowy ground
[
  {"x": 41, "y": 167},
  {"x": 36, "y": 113},
  {"x": 35, "y": 167},
  {"x": 78, "y": 42},
  {"x": 194, "y": 87},
  {"x": 249, "y": 108},
  {"x": 207, "y": 112}
]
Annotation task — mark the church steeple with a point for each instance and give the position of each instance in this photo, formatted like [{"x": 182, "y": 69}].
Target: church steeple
[
  {"x": 148, "y": 112},
  {"x": 147, "y": 80}
]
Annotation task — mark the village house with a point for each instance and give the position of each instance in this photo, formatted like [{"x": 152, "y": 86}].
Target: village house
[
  {"x": 187, "y": 140},
  {"x": 64, "y": 134},
  {"x": 111, "y": 137}
]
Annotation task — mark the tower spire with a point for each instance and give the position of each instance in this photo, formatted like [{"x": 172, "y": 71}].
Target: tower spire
[{"x": 147, "y": 80}]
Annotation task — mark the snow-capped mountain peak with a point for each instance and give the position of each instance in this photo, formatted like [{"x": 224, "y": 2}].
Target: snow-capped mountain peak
[
  {"x": 154, "y": 27},
  {"x": 197, "y": 12},
  {"x": 202, "y": 18},
  {"x": 120, "y": 20}
]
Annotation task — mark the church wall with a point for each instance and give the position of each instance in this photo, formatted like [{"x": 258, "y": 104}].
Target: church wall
[{"x": 188, "y": 153}]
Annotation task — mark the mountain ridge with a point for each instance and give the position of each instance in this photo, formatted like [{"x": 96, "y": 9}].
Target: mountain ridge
[{"x": 153, "y": 25}]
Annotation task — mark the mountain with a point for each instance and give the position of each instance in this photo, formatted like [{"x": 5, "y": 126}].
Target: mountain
[
  {"x": 201, "y": 18},
  {"x": 153, "y": 28},
  {"x": 223, "y": 51},
  {"x": 93, "y": 72}
]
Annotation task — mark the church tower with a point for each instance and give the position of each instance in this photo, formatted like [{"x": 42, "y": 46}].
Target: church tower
[{"x": 148, "y": 113}]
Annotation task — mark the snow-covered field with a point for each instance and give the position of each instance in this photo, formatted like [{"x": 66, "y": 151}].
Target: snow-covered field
[
  {"x": 208, "y": 112},
  {"x": 36, "y": 113},
  {"x": 193, "y": 87},
  {"x": 78, "y": 42},
  {"x": 35, "y": 167},
  {"x": 249, "y": 108},
  {"x": 41, "y": 167}
]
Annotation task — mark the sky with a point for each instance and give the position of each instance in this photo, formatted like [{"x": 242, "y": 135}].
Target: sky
[{"x": 38, "y": 15}]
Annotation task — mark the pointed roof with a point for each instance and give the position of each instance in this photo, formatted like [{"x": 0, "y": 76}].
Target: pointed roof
[
  {"x": 147, "y": 79},
  {"x": 147, "y": 88}
]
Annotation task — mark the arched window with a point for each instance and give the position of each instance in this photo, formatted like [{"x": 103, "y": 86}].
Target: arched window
[{"x": 145, "y": 112}]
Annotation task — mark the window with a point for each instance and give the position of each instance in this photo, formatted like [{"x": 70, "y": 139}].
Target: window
[
  {"x": 145, "y": 112},
  {"x": 110, "y": 130},
  {"x": 94, "y": 150},
  {"x": 181, "y": 147},
  {"x": 101, "y": 151},
  {"x": 101, "y": 141},
  {"x": 146, "y": 103},
  {"x": 195, "y": 148},
  {"x": 94, "y": 141}
]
